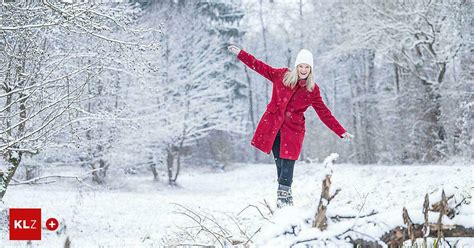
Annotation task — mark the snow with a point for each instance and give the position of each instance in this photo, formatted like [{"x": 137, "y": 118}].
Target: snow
[{"x": 135, "y": 211}]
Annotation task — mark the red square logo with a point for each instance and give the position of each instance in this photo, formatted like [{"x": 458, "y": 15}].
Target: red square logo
[{"x": 25, "y": 223}]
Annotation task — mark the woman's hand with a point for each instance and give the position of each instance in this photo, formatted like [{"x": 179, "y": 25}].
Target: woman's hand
[
  {"x": 347, "y": 136},
  {"x": 234, "y": 49}
]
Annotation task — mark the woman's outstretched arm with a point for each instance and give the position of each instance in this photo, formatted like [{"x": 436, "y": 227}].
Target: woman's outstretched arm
[
  {"x": 326, "y": 116},
  {"x": 257, "y": 65}
]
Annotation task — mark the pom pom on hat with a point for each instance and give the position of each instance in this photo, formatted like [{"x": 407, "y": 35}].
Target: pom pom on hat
[{"x": 304, "y": 56}]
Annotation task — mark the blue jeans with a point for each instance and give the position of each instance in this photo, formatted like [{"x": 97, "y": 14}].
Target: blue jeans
[{"x": 284, "y": 166}]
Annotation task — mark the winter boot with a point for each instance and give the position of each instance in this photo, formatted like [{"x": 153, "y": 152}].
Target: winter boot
[
  {"x": 290, "y": 197},
  {"x": 282, "y": 195}
]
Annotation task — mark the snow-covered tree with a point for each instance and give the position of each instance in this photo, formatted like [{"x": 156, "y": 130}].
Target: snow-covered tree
[
  {"x": 45, "y": 73},
  {"x": 187, "y": 97},
  {"x": 418, "y": 47}
]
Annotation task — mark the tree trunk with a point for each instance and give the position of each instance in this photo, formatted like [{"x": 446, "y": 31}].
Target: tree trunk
[
  {"x": 251, "y": 106},
  {"x": 14, "y": 157},
  {"x": 170, "y": 155},
  {"x": 250, "y": 96},
  {"x": 155, "y": 172},
  {"x": 357, "y": 147},
  {"x": 265, "y": 50},
  {"x": 436, "y": 134},
  {"x": 178, "y": 160},
  {"x": 6, "y": 176},
  {"x": 369, "y": 107},
  {"x": 99, "y": 175},
  {"x": 152, "y": 165}
]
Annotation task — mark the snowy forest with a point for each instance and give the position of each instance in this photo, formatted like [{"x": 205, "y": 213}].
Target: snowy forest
[{"x": 143, "y": 97}]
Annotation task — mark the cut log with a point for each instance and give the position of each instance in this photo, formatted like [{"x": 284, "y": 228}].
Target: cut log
[
  {"x": 426, "y": 205},
  {"x": 407, "y": 221},
  {"x": 396, "y": 236},
  {"x": 442, "y": 211},
  {"x": 320, "y": 219}
]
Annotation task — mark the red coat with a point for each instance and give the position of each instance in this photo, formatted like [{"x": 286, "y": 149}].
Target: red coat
[{"x": 285, "y": 111}]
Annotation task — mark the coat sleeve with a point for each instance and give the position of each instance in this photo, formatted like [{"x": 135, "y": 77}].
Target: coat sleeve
[
  {"x": 325, "y": 114},
  {"x": 263, "y": 69}
]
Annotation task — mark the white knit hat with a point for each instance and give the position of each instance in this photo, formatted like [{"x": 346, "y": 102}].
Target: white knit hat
[{"x": 304, "y": 56}]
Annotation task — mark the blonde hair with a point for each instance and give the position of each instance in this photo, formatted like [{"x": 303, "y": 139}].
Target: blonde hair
[{"x": 291, "y": 79}]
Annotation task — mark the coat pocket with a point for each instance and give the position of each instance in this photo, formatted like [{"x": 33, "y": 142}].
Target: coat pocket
[{"x": 273, "y": 108}]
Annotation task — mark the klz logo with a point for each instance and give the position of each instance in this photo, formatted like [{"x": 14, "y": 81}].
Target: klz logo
[{"x": 25, "y": 223}]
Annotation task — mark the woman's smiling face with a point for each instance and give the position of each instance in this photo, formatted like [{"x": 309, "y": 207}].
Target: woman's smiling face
[{"x": 303, "y": 71}]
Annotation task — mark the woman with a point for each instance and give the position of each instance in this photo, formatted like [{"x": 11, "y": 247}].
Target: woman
[{"x": 281, "y": 128}]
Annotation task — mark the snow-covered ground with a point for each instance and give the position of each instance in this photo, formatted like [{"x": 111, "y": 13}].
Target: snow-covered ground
[{"x": 135, "y": 211}]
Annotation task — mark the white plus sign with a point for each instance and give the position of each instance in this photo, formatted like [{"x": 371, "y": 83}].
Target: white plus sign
[{"x": 51, "y": 224}]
